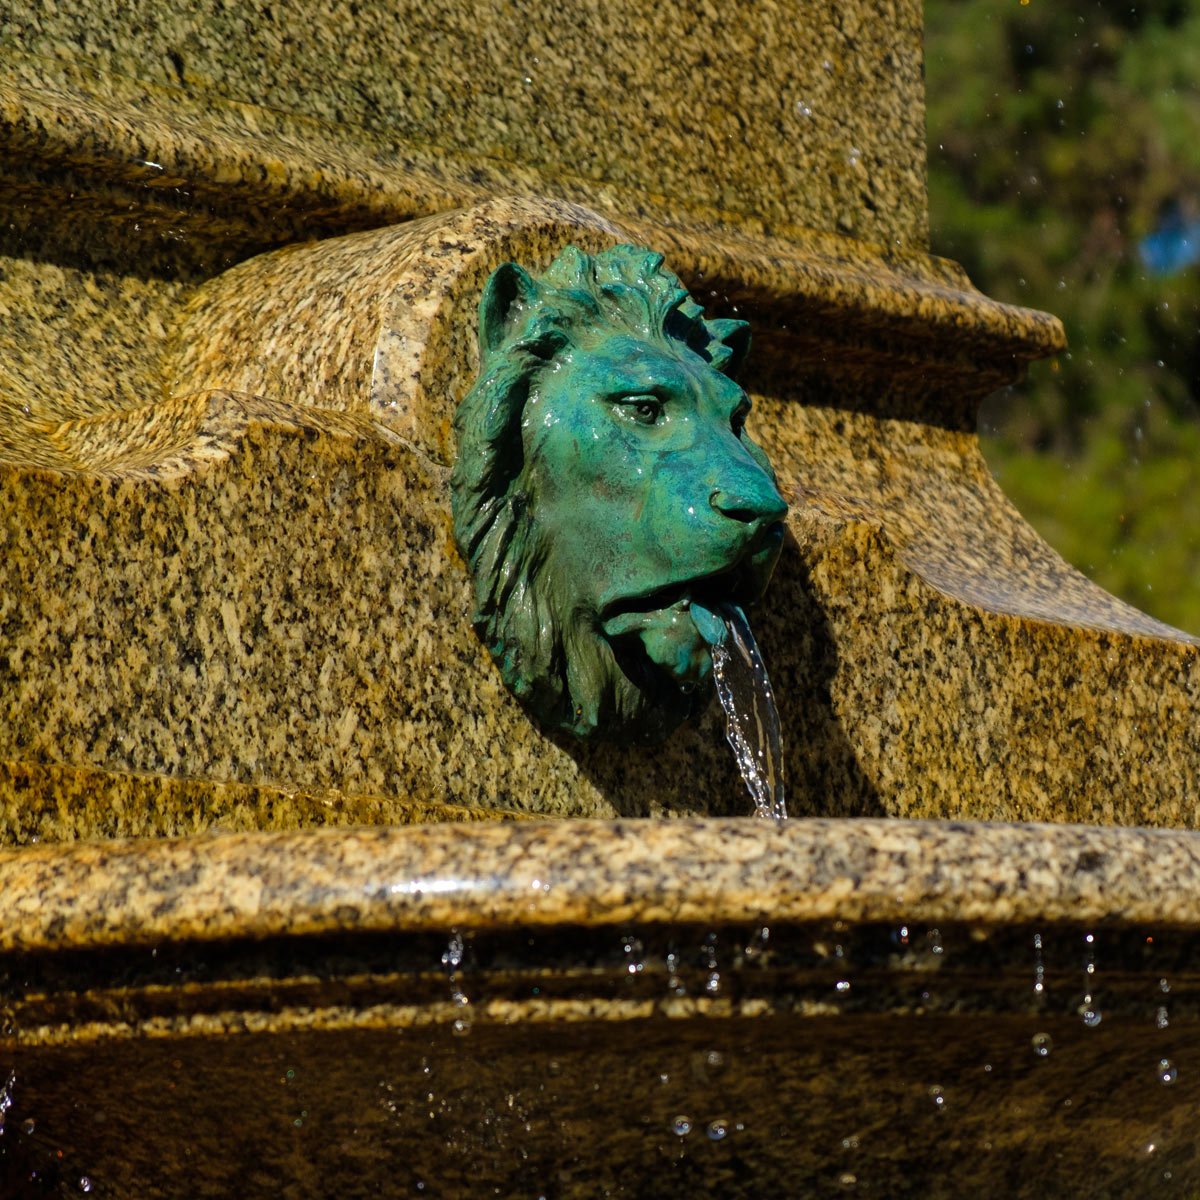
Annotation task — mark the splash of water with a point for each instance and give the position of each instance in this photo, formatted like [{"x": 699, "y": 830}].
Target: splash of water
[
  {"x": 6, "y": 1097},
  {"x": 751, "y": 719}
]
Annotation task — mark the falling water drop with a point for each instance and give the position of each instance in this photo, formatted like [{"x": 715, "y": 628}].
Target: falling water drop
[
  {"x": 751, "y": 719},
  {"x": 756, "y": 946},
  {"x": 1039, "y": 966},
  {"x": 635, "y": 962},
  {"x": 6, "y": 1097},
  {"x": 1088, "y": 1010},
  {"x": 1042, "y": 1044},
  {"x": 453, "y": 955},
  {"x": 681, "y": 1126},
  {"x": 1166, "y": 1071},
  {"x": 717, "y": 1130},
  {"x": 675, "y": 984},
  {"x": 708, "y": 956},
  {"x": 452, "y": 960}
]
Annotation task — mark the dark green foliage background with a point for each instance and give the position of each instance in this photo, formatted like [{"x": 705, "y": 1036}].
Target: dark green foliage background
[{"x": 1059, "y": 131}]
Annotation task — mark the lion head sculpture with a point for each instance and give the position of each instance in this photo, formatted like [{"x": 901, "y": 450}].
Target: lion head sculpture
[{"x": 606, "y": 496}]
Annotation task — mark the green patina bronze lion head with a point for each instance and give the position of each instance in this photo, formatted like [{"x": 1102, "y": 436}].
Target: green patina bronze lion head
[{"x": 606, "y": 495}]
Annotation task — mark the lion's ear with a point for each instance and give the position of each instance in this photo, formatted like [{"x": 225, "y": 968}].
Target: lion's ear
[
  {"x": 729, "y": 345},
  {"x": 509, "y": 285}
]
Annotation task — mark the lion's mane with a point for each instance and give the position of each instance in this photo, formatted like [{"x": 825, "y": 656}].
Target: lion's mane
[{"x": 554, "y": 660}]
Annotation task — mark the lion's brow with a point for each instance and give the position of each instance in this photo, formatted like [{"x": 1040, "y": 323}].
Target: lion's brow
[{"x": 659, "y": 375}]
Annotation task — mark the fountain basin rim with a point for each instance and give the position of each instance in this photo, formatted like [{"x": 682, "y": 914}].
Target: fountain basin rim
[{"x": 591, "y": 873}]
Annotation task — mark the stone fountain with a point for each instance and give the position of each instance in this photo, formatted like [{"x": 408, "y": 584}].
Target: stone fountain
[{"x": 288, "y": 904}]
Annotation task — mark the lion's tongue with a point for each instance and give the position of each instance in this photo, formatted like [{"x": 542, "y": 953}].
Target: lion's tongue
[
  {"x": 668, "y": 636},
  {"x": 711, "y": 624}
]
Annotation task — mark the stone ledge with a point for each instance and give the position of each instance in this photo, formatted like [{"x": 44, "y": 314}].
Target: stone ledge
[{"x": 591, "y": 873}]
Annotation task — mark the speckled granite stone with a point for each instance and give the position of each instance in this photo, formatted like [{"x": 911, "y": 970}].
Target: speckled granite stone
[
  {"x": 275, "y": 479},
  {"x": 904, "y": 554},
  {"x": 745, "y": 116},
  {"x": 579, "y": 873},
  {"x": 51, "y": 803}
]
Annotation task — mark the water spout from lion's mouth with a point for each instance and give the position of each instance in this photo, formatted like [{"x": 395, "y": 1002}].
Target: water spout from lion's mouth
[{"x": 744, "y": 689}]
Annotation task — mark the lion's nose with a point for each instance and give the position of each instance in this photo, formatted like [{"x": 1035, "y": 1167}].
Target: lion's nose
[{"x": 761, "y": 503}]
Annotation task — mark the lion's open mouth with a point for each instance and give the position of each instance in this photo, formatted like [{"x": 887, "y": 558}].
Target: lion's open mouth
[
  {"x": 630, "y": 615},
  {"x": 661, "y": 620}
]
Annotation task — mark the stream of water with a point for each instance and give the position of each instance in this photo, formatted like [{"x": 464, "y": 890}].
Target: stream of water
[{"x": 751, "y": 719}]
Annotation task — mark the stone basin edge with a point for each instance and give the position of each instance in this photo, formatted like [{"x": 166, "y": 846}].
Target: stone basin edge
[{"x": 435, "y": 878}]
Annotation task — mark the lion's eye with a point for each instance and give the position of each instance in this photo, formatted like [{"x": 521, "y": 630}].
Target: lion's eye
[{"x": 645, "y": 410}]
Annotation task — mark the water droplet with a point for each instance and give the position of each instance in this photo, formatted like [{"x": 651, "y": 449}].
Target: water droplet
[
  {"x": 714, "y": 1060},
  {"x": 717, "y": 1130},
  {"x": 1166, "y": 1071},
  {"x": 1091, "y": 1016},
  {"x": 934, "y": 937},
  {"x": 453, "y": 955},
  {"x": 842, "y": 986},
  {"x": 712, "y": 985},
  {"x": 805, "y": 110},
  {"x": 681, "y": 1126},
  {"x": 938, "y": 1096},
  {"x": 675, "y": 984},
  {"x": 461, "y": 1028},
  {"x": 28, "y": 1126},
  {"x": 85, "y": 1184},
  {"x": 847, "y": 1179},
  {"x": 1164, "y": 986},
  {"x": 1042, "y": 1044},
  {"x": 1161, "y": 1018},
  {"x": 635, "y": 964},
  {"x": 850, "y": 1143},
  {"x": 758, "y": 942}
]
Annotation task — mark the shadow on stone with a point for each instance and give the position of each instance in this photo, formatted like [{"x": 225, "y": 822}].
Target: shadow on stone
[{"x": 822, "y": 774}]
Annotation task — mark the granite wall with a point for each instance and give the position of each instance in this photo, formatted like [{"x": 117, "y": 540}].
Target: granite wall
[{"x": 230, "y": 597}]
